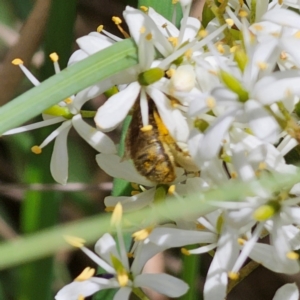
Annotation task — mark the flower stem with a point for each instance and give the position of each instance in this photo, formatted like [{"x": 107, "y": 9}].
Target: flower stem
[
  {"x": 140, "y": 294},
  {"x": 88, "y": 114},
  {"x": 253, "y": 12}
]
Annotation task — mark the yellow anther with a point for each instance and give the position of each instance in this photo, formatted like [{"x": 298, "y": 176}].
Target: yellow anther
[
  {"x": 262, "y": 65},
  {"x": 149, "y": 37},
  {"x": 243, "y": 13},
  {"x": 68, "y": 100},
  {"x": 264, "y": 212},
  {"x": 234, "y": 175},
  {"x": 109, "y": 208},
  {"x": 134, "y": 185},
  {"x": 200, "y": 226},
  {"x": 17, "y": 61},
  {"x": 54, "y": 57},
  {"x": 87, "y": 273},
  {"x": 100, "y": 28},
  {"x": 297, "y": 34},
  {"x": 143, "y": 29},
  {"x": 210, "y": 102},
  {"x": 122, "y": 278},
  {"x": 258, "y": 27},
  {"x": 171, "y": 189},
  {"x": 241, "y": 241},
  {"x": 280, "y": 2},
  {"x": 202, "y": 33},
  {"x": 233, "y": 275},
  {"x": 188, "y": 53},
  {"x": 116, "y": 20},
  {"x": 170, "y": 72},
  {"x": 175, "y": 1},
  {"x": 130, "y": 255},
  {"x": 233, "y": 49},
  {"x": 133, "y": 193},
  {"x": 144, "y": 8},
  {"x": 142, "y": 234},
  {"x": 185, "y": 251},
  {"x": 292, "y": 255},
  {"x": 36, "y": 149},
  {"x": 229, "y": 22},
  {"x": 283, "y": 55},
  {"x": 74, "y": 241},
  {"x": 173, "y": 40},
  {"x": 262, "y": 165},
  {"x": 220, "y": 48},
  {"x": 117, "y": 215},
  {"x": 80, "y": 297},
  {"x": 241, "y": 2},
  {"x": 146, "y": 128}
]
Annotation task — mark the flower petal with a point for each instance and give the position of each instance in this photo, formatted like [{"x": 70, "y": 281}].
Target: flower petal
[{"x": 287, "y": 292}]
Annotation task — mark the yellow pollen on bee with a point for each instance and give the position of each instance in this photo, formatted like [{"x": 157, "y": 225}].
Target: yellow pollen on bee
[
  {"x": 283, "y": 55},
  {"x": 258, "y": 27},
  {"x": 87, "y": 273},
  {"x": 68, "y": 100},
  {"x": 202, "y": 33},
  {"x": 36, "y": 149},
  {"x": 185, "y": 251},
  {"x": 146, "y": 128},
  {"x": 133, "y": 193},
  {"x": 234, "y": 175},
  {"x": 142, "y": 234},
  {"x": 243, "y": 13},
  {"x": 173, "y": 40},
  {"x": 229, "y": 22},
  {"x": 122, "y": 278},
  {"x": 188, "y": 53},
  {"x": 172, "y": 189},
  {"x": 54, "y": 56},
  {"x": 100, "y": 28},
  {"x": 262, "y": 165},
  {"x": 170, "y": 72},
  {"x": 74, "y": 241},
  {"x": 262, "y": 65},
  {"x": 292, "y": 255},
  {"x": 210, "y": 102},
  {"x": 149, "y": 37},
  {"x": 143, "y": 29},
  {"x": 17, "y": 61},
  {"x": 109, "y": 208},
  {"x": 220, "y": 48},
  {"x": 233, "y": 275},
  {"x": 117, "y": 215},
  {"x": 241, "y": 241},
  {"x": 144, "y": 8}
]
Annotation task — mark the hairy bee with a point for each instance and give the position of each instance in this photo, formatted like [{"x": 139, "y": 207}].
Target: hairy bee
[{"x": 154, "y": 152}]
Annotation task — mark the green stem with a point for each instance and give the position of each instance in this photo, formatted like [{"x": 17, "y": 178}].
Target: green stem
[
  {"x": 88, "y": 114},
  {"x": 140, "y": 294},
  {"x": 253, "y": 12}
]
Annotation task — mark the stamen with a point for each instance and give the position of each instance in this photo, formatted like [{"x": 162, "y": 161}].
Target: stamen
[
  {"x": 146, "y": 128},
  {"x": 141, "y": 235},
  {"x": 80, "y": 297},
  {"x": 173, "y": 40},
  {"x": 234, "y": 175},
  {"x": 36, "y": 149},
  {"x": 262, "y": 65},
  {"x": 109, "y": 208},
  {"x": 170, "y": 72},
  {"x": 74, "y": 241},
  {"x": 19, "y": 62},
  {"x": 87, "y": 273},
  {"x": 117, "y": 215},
  {"x": 241, "y": 241},
  {"x": 54, "y": 57},
  {"x": 210, "y": 102},
  {"x": 134, "y": 185},
  {"x": 130, "y": 255},
  {"x": 283, "y": 55},
  {"x": 188, "y": 54},
  {"x": 258, "y": 27},
  {"x": 185, "y": 251},
  {"x": 144, "y": 8},
  {"x": 100, "y": 28},
  {"x": 133, "y": 193},
  {"x": 118, "y": 21},
  {"x": 262, "y": 165},
  {"x": 68, "y": 100},
  {"x": 229, "y": 22},
  {"x": 149, "y": 37},
  {"x": 243, "y": 13},
  {"x": 202, "y": 33},
  {"x": 171, "y": 189},
  {"x": 233, "y": 276},
  {"x": 122, "y": 278},
  {"x": 220, "y": 48},
  {"x": 292, "y": 255},
  {"x": 143, "y": 29}
]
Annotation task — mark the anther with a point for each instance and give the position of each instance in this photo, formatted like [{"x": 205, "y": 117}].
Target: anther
[
  {"x": 74, "y": 241},
  {"x": 170, "y": 72},
  {"x": 118, "y": 21},
  {"x": 202, "y": 33},
  {"x": 144, "y": 8},
  {"x": 233, "y": 275},
  {"x": 171, "y": 189},
  {"x": 17, "y": 61},
  {"x": 100, "y": 28},
  {"x": 87, "y": 273},
  {"x": 292, "y": 255},
  {"x": 185, "y": 251},
  {"x": 117, "y": 215},
  {"x": 173, "y": 40},
  {"x": 243, "y": 13},
  {"x": 146, "y": 128},
  {"x": 36, "y": 149},
  {"x": 68, "y": 100},
  {"x": 54, "y": 57},
  {"x": 229, "y": 22}
]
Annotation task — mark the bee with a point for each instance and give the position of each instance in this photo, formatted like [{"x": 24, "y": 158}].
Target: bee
[{"x": 154, "y": 152}]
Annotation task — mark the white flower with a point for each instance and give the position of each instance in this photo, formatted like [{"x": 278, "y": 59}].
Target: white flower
[{"x": 288, "y": 291}]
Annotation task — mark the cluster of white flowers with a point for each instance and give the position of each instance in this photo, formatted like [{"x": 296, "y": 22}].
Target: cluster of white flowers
[{"x": 228, "y": 95}]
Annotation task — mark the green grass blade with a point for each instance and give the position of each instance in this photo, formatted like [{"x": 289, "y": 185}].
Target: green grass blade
[{"x": 85, "y": 73}]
